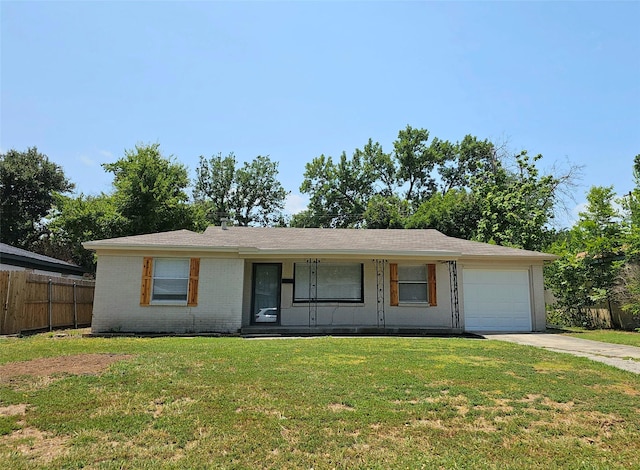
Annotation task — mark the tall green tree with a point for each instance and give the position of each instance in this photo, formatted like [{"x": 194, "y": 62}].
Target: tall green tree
[
  {"x": 631, "y": 205},
  {"x": 590, "y": 257},
  {"x": 515, "y": 206},
  {"x": 150, "y": 191},
  {"x": 214, "y": 186},
  {"x": 455, "y": 213},
  {"x": 251, "y": 194},
  {"x": 259, "y": 196},
  {"x": 339, "y": 190},
  {"x": 460, "y": 162},
  {"x": 468, "y": 188},
  {"x": 416, "y": 160},
  {"x": 386, "y": 212},
  {"x": 627, "y": 288},
  {"x": 28, "y": 184},
  {"x": 75, "y": 220}
]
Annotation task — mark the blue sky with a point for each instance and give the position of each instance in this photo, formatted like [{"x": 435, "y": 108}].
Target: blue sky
[{"x": 83, "y": 81}]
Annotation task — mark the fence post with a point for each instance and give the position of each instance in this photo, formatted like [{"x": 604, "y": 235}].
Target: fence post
[
  {"x": 75, "y": 307},
  {"x": 50, "y": 305}
]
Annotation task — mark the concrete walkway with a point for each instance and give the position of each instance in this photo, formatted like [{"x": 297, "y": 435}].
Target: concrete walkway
[{"x": 616, "y": 355}]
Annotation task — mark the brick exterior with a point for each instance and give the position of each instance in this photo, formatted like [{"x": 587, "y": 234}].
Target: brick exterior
[{"x": 117, "y": 299}]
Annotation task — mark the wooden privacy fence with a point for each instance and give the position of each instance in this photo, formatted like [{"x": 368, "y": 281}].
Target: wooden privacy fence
[{"x": 36, "y": 302}]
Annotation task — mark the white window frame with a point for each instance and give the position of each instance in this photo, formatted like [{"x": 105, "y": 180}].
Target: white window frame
[
  {"x": 415, "y": 281},
  {"x": 302, "y": 269},
  {"x": 184, "y": 278}
]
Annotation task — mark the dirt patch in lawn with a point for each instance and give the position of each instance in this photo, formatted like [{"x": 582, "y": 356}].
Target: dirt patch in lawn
[
  {"x": 47, "y": 366},
  {"x": 13, "y": 410},
  {"x": 37, "y": 445}
]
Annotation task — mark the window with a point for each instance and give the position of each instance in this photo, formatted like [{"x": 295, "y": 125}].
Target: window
[
  {"x": 413, "y": 284},
  {"x": 334, "y": 282},
  {"x": 170, "y": 280}
]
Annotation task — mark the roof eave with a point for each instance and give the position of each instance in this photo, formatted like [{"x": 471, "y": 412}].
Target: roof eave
[
  {"x": 433, "y": 254},
  {"x": 155, "y": 247},
  {"x": 497, "y": 257}
]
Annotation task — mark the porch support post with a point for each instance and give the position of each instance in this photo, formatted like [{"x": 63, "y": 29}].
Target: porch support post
[
  {"x": 313, "y": 291},
  {"x": 453, "y": 287},
  {"x": 380, "y": 284}
]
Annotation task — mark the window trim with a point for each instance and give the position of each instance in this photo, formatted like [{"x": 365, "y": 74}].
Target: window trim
[{"x": 333, "y": 300}]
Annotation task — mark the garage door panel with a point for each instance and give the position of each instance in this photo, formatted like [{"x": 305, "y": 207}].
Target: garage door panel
[{"x": 497, "y": 300}]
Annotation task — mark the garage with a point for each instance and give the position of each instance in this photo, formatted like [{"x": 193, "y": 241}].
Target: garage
[{"x": 496, "y": 300}]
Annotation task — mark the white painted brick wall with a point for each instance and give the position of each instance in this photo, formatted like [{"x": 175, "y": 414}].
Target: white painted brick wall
[{"x": 117, "y": 299}]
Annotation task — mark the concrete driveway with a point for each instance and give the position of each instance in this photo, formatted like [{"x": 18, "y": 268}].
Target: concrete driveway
[{"x": 616, "y": 355}]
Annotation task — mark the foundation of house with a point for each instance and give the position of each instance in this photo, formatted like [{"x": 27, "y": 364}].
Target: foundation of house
[{"x": 262, "y": 331}]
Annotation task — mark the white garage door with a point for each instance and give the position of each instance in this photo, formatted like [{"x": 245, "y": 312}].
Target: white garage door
[{"x": 496, "y": 300}]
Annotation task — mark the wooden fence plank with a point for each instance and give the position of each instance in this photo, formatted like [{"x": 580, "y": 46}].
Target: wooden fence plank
[
  {"x": 4, "y": 297},
  {"x": 15, "y": 310}
]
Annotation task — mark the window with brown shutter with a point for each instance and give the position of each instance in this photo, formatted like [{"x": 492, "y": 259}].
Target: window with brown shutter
[
  {"x": 412, "y": 284},
  {"x": 170, "y": 281}
]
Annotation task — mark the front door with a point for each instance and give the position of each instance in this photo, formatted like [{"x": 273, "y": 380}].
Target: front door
[{"x": 265, "y": 303}]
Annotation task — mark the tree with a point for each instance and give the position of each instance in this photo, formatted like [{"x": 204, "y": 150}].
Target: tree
[
  {"x": 380, "y": 167},
  {"x": 250, "y": 195},
  {"x": 455, "y": 213},
  {"x": 28, "y": 184},
  {"x": 462, "y": 161},
  {"x": 259, "y": 196},
  {"x": 627, "y": 288},
  {"x": 515, "y": 206},
  {"x": 339, "y": 191},
  {"x": 75, "y": 220},
  {"x": 386, "y": 212},
  {"x": 150, "y": 192},
  {"x": 214, "y": 186},
  {"x": 421, "y": 184},
  {"x": 591, "y": 256},
  {"x": 631, "y": 205},
  {"x": 415, "y": 160}
]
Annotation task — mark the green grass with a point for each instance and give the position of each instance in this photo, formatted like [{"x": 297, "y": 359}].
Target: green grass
[
  {"x": 630, "y": 338},
  {"x": 318, "y": 403}
]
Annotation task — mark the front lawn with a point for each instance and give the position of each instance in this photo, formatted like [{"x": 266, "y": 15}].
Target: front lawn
[
  {"x": 630, "y": 338},
  {"x": 310, "y": 403}
]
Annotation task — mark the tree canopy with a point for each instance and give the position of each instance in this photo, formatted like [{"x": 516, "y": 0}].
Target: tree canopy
[
  {"x": 465, "y": 189},
  {"x": 150, "y": 191},
  {"x": 28, "y": 185},
  {"x": 470, "y": 188},
  {"x": 248, "y": 195}
]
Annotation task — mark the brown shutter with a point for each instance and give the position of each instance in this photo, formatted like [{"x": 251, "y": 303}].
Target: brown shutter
[
  {"x": 194, "y": 277},
  {"x": 431, "y": 279},
  {"x": 393, "y": 274},
  {"x": 147, "y": 277}
]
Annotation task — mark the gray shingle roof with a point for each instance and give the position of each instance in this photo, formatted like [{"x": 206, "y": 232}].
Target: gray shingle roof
[
  {"x": 315, "y": 240},
  {"x": 12, "y": 256},
  {"x": 12, "y": 250}
]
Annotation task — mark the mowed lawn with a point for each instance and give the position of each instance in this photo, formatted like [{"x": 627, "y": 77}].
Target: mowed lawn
[
  {"x": 311, "y": 403},
  {"x": 630, "y": 338}
]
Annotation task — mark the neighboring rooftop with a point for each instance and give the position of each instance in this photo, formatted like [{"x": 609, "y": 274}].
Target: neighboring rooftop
[
  {"x": 318, "y": 241},
  {"x": 10, "y": 255}
]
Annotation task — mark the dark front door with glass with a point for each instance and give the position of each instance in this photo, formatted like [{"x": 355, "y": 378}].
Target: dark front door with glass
[{"x": 265, "y": 304}]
